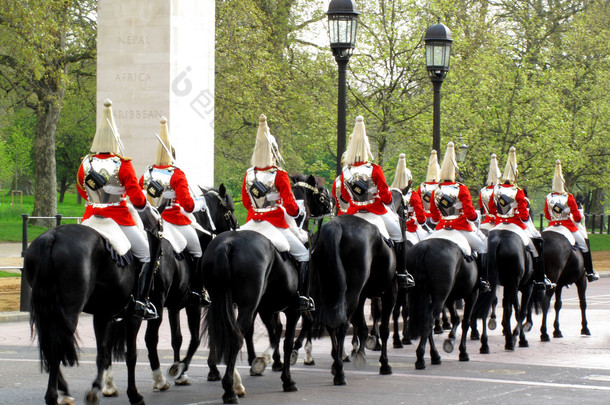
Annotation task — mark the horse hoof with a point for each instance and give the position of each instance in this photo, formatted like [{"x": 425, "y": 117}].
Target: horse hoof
[
  {"x": 92, "y": 397},
  {"x": 446, "y": 326},
  {"x": 524, "y": 343},
  {"x": 585, "y": 331},
  {"x": 464, "y": 357},
  {"x": 398, "y": 344},
  {"x": 230, "y": 399},
  {"x": 527, "y": 326},
  {"x": 475, "y": 335},
  {"x": 214, "y": 376},
  {"x": 420, "y": 365},
  {"x": 436, "y": 360},
  {"x": 346, "y": 359},
  {"x": 448, "y": 346},
  {"x": 290, "y": 387},
  {"x": 161, "y": 386},
  {"x": 438, "y": 330},
  {"x": 183, "y": 380},
  {"x": 360, "y": 361},
  {"x": 65, "y": 400},
  {"x": 138, "y": 401},
  {"x": 557, "y": 334},
  {"x": 371, "y": 342},
  {"x": 277, "y": 366},
  {"x": 406, "y": 341},
  {"x": 339, "y": 380},
  {"x": 110, "y": 392},
  {"x": 510, "y": 348},
  {"x": 258, "y": 366},
  {"x": 294, "y": 356},
  {"x": 492, "y": 324},
  {"x": 175, "y": 370},
  {"x": 545, "y": 338},
  {"x": 385, "y": 370},
  {"x": 484, "y": 350},
  {"x": 311, "y": 362}
]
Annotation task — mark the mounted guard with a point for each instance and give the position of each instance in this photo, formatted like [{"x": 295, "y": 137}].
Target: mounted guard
[
  {"x": 416, "y": 216},
  {"x": 509, "y": 205},
  {"x": 426, "y": 188},
  {"x": 493, "y": 179},
  {"x": 168, "y": 190},
  {"x": 451, "y": 208},
  {"x": 267, "y": 195},
  {"x": 364, "y": 186},
  {"x": 105, "y": 179},
  {"x": 562, "y": 211}
]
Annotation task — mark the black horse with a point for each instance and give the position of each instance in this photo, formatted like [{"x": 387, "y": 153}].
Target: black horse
[
  {"x": 513, "y": 264},
  {"x": 244, "y": 269},
  {"x": 172, "y": 285},
  {"x": 351, "y": 262},
  {"x": 71, "y": 270},
  {"x": 442, "y": 276},
  {"x": 563, "y": 266}
]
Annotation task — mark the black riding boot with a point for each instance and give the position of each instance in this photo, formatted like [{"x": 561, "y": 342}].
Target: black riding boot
[
  {"x": 305, "y": 302},
  {"x": 482, "y": 268},
  {"x": 592, "y": 275},
  {"x": 144, "y": 308},
  {"x": 404, "y": 279},
  {"x": 541, "y": 281},
  {"x": 199, "y": 295}
]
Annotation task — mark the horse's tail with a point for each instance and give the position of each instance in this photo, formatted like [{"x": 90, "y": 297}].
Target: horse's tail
[
  {"x": 329, "y": 280},
  {"x": 220, "y": 322},
  {"x": 418, "y": 296},
  {"x": 55, "y": 330}
]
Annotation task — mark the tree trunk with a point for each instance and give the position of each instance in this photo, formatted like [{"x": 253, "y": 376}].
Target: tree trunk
[
  {"x": 63, "y": 187},
  {"x": 45, "y": 189}
]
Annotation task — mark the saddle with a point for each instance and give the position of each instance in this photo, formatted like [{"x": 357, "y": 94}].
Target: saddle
[
  {"x": 507, "y": 226},
  {"x": 455, "y": 237},
  {"x": 269, "y": 231},
  {"x": 560, "y": 229}
]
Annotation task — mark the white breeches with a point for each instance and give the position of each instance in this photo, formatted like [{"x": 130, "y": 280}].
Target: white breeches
[
  {"x": 477, "y": 242},
  {"x": 531, "y": 230},
  {"x": 580, "y": 241},
  {"x": 416, "y": 236},
  {"x": 139, "y": 243},
  {"x": 192, "y": 241},
  {"x": 297, "y": 249},
  {"x": 392, "y": 224}
]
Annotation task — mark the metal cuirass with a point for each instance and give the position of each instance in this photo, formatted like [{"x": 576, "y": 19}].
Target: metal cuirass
[
  {"x": 426, "y": 194},
  {"x": 446, "y": 199},
  {"x": 343, "y": 205},
  {"x": 153, "y": 178},
  {"x": 485, "y": 196},
  {"x": 113, "y": 190},
  {"x": 504, "y": 198},
  {"x": 359, "y": 183},
  {"x": 407, "y": 201},
  {"x": 557, "y": 203},
  {"x": 260, "y": 186}
]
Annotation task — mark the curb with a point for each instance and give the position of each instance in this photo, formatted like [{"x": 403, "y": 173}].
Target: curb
[{"x": 14, "y": 316}]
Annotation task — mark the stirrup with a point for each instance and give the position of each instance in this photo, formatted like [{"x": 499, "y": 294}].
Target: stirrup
[
  {"x": 306, "y": 304},
  {"x": 484, "y": 286},
  {"x": 146, "y": 311},
  {"x": 199, "y": 299},
  {"x": 592, "y": 276},
  {"x": 405, "y": 280},
  {"x": 545, "y": 284}
]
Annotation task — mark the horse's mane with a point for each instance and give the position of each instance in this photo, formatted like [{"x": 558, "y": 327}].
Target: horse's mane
[{"x": 298, "y": 176}]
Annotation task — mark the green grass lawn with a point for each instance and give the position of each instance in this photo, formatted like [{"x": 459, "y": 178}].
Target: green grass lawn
[{"x": 9, "y": 274}]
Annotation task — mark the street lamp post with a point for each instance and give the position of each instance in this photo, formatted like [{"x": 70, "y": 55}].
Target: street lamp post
[
  {"x": 342, "y": 24},
  {"x": 438, "y": 49}
]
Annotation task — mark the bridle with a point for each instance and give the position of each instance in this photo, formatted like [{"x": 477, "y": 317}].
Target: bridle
[
  {"x": 322, "y": 199},
  {"x": 227, "y": 213}
]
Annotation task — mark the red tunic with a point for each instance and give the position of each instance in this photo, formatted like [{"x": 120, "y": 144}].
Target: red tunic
[
  {"x": 468, "y": 211},
  {"x": 565, "y": 222},
  {"x": 384, "y": 196},
  {"x": 419, "y": 191},
  {"x": 119, "y": 213},
  {"x": 274, "y": 217},
  {"x": 183, "y": 198},
  {"x": 418, "y": 212},
  {"x": 489, "y": 217},
  {"x": 522, "y": 214}
]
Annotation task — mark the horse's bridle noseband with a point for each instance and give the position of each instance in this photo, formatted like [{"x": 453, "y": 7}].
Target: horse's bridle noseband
[{"x": 317, "y": 194}]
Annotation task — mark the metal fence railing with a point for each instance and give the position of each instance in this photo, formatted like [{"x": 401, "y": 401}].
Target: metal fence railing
[{"x": 595, "y": 223}]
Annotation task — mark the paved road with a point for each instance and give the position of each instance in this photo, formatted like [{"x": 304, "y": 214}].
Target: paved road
[{"x": 572, "y": 369}]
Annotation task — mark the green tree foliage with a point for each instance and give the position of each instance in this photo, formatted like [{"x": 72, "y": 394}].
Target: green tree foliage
[{"x": 40, "y": 41}]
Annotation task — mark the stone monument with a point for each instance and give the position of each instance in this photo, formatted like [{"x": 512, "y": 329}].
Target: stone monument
[{"x": 156, "y": 58}]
